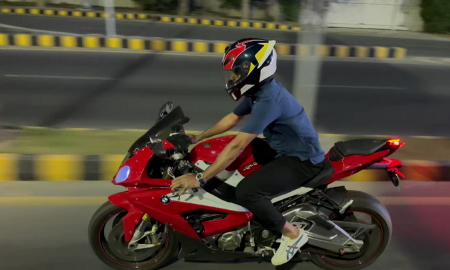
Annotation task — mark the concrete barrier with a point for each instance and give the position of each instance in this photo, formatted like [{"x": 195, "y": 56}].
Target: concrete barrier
[
  {"x": 14, "y": 167},
  {"x": 152, "y": 17},
  {"x": 194, "y": 46}
]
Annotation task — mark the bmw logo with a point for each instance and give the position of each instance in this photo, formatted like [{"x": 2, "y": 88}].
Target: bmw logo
[{"x": 165, "y": 200}]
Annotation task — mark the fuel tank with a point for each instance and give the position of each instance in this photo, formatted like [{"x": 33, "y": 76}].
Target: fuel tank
[{"x": 209, "y": 150}]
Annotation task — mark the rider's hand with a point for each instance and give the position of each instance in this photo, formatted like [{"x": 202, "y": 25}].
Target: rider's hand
[
  {"x": 194, "y": 139},
  {"x": 186, "y": 181}
]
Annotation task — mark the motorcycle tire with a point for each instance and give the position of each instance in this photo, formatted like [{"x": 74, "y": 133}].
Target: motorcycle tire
[
  {"x": 370, "y": 206},
  {"x": 102, "y": 216}
]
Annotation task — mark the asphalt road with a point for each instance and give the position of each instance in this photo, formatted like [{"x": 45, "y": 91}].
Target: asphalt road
[
  {"x": 125, "y": 90},
  {"x": 416, "y": 47},
  {"x": 44, "y": 226}
]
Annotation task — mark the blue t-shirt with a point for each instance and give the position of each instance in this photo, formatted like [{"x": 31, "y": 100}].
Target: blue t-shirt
[{"x": 283, "y": 121}]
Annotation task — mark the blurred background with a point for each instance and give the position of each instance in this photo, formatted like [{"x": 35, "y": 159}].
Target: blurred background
[{"x": 70, "y": 113}]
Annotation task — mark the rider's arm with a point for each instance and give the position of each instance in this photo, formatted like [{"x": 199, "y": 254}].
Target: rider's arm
[
  {"x": 229, "y": 154},
  {"x": 262, "y": 115},
  {"x": 227, "y": 123}
]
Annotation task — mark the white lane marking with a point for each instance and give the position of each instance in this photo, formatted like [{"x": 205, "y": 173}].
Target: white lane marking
[
  {"x": 37, "y": 30},
  {"x": 433, "y": 61},
  {"x": 88, "y": 27},
  {"x": 358, "y": 87},
  {"x": 58, "y": 77}
]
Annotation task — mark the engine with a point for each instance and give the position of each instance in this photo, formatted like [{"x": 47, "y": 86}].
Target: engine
[{"x": 230, "y": 241}]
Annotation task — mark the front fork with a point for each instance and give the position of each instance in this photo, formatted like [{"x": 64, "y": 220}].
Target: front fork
[{"x": 140, "y": 233}]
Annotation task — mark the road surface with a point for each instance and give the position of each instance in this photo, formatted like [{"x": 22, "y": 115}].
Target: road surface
[
  {"x": 416, "y": 47},
  {"x": 126, "y": 90},
  {"x": 44, "y": 226}
]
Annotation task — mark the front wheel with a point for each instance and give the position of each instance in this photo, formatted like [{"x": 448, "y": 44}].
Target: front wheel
[
  {"x": 368, "y": 210},
  {"x": 106, "y": 236}
]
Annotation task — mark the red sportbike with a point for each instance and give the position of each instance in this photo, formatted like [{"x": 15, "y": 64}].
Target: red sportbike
[{"x": 147, "y": 225}]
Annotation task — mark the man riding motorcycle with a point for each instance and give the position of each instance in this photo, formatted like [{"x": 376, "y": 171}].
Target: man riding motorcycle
[{"x": 250, "y": 65}]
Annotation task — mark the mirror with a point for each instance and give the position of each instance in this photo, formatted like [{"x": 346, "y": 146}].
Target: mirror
[{"x": 165, "y": 110}]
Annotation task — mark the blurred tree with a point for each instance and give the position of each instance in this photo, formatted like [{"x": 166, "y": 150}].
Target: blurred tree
[
  {"x": 290, "y": 9},
  {"x": 273, "y": 10},
  {"x": 159, "y": 5},
  {"x": 245, "y": 9},
  {"x": 234, "y": 4},
  {"x": 41, "y": 3},
  {"x": 183, "y": 7},
  {"x": 436, "y": 15}
]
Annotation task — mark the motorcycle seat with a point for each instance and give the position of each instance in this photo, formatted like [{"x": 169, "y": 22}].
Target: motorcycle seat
[
  {"x": 325, "y": 174},
  {"x": 362, "y": 147}
]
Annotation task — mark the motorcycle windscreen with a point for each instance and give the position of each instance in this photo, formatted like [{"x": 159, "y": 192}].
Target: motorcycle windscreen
[{"x": 163, "y": 129}]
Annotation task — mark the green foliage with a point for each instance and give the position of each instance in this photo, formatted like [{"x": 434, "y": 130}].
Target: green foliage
[
  {"x": 235, "y": 4},
  {"x": 436, "y": 15},
  {"x": 290, "y": 9},
  {"x": 159, "y": 5}
]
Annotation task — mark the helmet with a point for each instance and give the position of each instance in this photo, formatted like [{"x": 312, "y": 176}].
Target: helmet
[{"x": 246, "y": 63}]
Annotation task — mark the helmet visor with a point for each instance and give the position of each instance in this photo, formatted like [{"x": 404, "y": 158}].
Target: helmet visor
[{"x": 234, "y": 77}]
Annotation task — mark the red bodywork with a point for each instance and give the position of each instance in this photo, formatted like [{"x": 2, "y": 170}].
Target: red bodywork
[{"x": 144, "y": 194}]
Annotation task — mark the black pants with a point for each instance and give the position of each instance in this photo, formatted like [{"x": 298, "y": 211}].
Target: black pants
[{"x": 282, "y": 175}]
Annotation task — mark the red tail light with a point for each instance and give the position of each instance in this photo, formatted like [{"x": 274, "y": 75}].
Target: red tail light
[{"x": 396, "y": 142}]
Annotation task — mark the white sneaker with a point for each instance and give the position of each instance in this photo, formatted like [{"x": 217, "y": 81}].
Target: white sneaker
[{"x": 288, "y": 248}]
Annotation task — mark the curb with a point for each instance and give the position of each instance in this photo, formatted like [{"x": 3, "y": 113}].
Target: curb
[
  {"x": 196, "y": 46},
  {"x": 14, "y": 167},
  {"x": 136, "y": 16}
]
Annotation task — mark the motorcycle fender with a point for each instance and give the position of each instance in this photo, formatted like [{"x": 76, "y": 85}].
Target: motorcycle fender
[{"x": 132, "y": 218}]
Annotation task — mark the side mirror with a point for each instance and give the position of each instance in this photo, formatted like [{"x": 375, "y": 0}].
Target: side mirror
[{"x": 165, "y": 110}]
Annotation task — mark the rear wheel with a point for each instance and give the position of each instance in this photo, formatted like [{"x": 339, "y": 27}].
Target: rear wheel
[
  {"x": 106, "y": 236},
  {"x": 375, "y": 240}
]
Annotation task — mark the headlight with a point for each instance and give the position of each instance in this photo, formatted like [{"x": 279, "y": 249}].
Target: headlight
[{"x": 123, "y": 174}]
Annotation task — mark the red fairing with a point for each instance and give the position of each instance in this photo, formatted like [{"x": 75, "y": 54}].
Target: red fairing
[
  {"x": 132, "y": 218},
  {"x": 138, "y": 178},
  {"x": 137, "y": 165},
  {"x": 389, "y": 163},
  {"x": 210, "y": 149},
  {"x": 149, "y": 201},
  {"x": 353, "y": 164},
  {"x": 233, "y": 221},
  {"x": 249, "y": 166},
  {"x": 167, "y": 145}
]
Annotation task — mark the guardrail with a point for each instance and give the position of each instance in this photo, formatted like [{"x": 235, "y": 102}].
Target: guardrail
[{"x": 197, "y": 46}]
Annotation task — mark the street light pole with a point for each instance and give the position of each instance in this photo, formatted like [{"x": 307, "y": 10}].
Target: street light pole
[
  {"x": 110, "y": 18},
  {"x": 307, "y": 70}
]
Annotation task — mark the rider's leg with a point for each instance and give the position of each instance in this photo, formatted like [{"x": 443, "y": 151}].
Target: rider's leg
[{"x": 280, "y": 176}]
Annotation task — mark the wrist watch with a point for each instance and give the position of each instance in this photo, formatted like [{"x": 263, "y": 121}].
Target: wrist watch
[{"x": 199, "y": 178}]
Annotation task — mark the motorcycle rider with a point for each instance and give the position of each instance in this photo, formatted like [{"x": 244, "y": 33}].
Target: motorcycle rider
[{"x": 250, "y": 65}]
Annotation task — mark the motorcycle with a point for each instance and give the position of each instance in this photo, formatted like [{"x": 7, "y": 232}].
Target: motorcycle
[{"x": 145, "y": 226}]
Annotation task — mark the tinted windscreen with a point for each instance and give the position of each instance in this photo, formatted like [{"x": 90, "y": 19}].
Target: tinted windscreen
[{"x": 171, "y": 123}]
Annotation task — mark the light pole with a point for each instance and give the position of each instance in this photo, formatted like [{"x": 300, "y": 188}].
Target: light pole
[
  {"x": 110, "y": 18},
  {"x": 307, "y": 70}
]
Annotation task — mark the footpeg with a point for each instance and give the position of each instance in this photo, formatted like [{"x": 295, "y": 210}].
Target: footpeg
[{"x": 343, "y": 208}]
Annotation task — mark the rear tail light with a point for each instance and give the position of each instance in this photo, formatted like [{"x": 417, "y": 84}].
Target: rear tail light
[{"x": 396, "y": 142}]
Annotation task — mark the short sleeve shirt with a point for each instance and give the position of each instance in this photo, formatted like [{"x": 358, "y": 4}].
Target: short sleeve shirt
[{"x": 283, "y": 121}]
